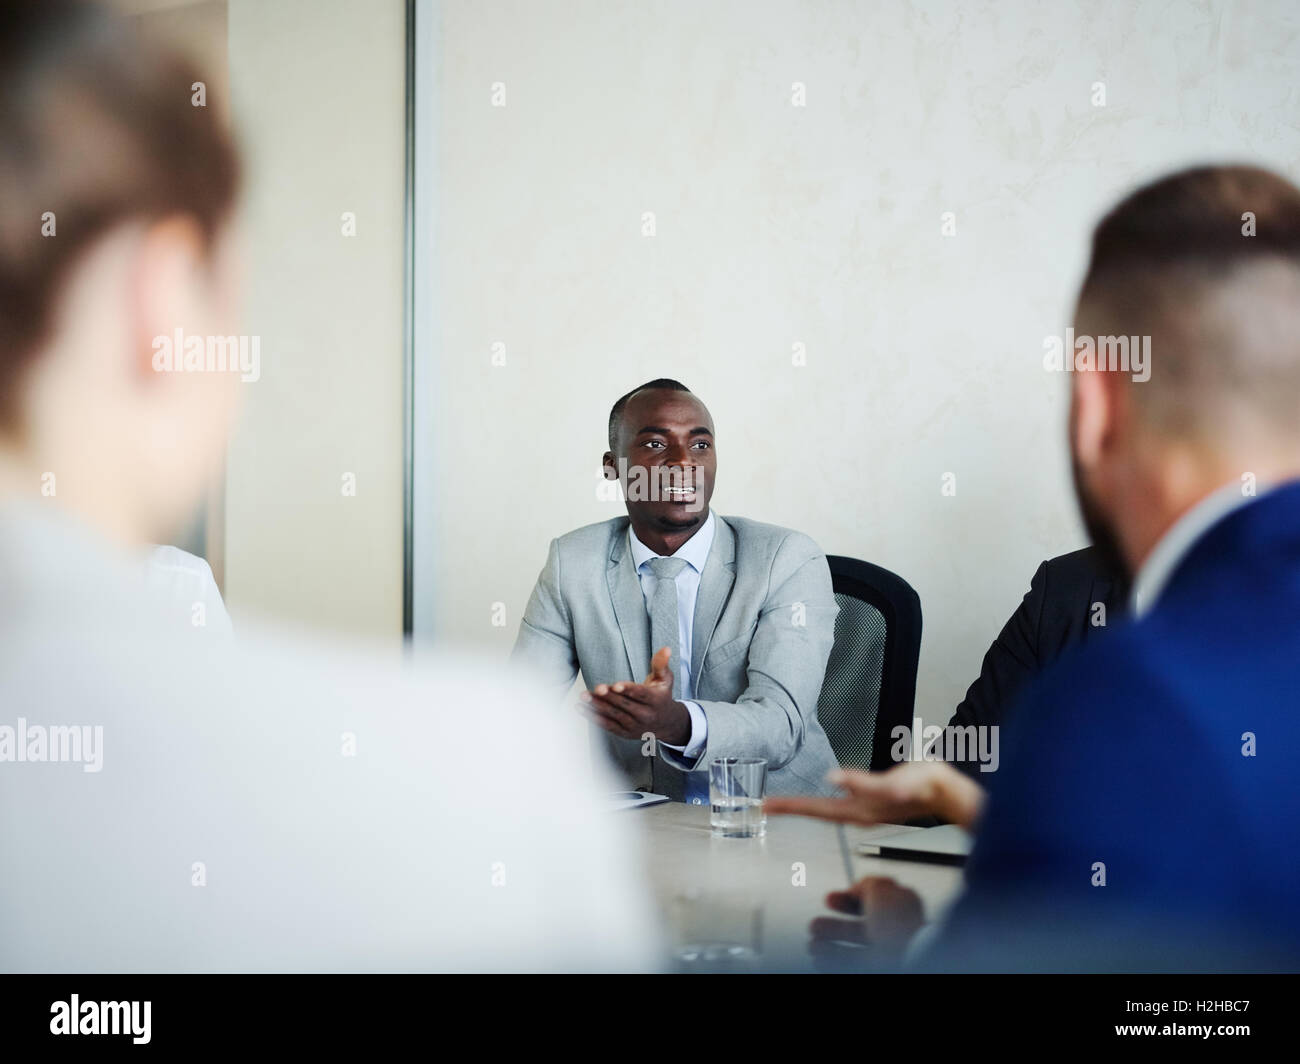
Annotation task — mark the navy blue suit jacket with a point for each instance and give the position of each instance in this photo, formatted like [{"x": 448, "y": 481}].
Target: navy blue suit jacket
[{"x": 1161, "y": 754}]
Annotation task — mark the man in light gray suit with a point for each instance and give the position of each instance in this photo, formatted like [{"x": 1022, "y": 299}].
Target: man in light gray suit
[{"x": 741, "y": 613}]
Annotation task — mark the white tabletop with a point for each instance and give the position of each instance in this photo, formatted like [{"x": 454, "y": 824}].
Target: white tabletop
[{"x": 784, "y": 876}]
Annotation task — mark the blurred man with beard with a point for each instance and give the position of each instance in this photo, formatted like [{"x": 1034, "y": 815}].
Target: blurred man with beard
[
  {"x": 1145, "y": 813},
  {"x": 729, "y": 620}
]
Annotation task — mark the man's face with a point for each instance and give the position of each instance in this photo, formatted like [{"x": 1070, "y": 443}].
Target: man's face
[
  {"x": 665, "y": 458},
  {"x": 196, "y": 411},
  {"x": 1101, "y": 530}
]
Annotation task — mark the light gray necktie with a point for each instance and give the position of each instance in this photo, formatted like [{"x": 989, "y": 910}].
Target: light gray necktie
[{"x": 664, "y": 626}]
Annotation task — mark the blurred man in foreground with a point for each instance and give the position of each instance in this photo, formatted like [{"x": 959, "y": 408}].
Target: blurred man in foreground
[
  {"x": 1145, "y": 812},
  {"x": 170, "y": 803}
]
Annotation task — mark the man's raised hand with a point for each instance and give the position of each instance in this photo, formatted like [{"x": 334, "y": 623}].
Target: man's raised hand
[{"x": 630, "y": 710}]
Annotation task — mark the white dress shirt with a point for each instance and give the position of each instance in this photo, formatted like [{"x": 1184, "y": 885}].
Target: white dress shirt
[
  {"x": 694, "y": 552},
  {"x": 185, "y": 581},
  {"x": 1172, "y": 548}
]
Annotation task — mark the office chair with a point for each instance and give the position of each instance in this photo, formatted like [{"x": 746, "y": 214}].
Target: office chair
[{"x": 870, "y": 685}]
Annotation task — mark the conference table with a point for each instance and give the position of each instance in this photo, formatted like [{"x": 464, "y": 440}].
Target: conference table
[{"x": 765, "y": 893}]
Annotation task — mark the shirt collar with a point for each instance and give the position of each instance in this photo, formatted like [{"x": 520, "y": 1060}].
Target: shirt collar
[
  {"x": 1173, "y": 546},
  {"x": 52, "y": 559},
  {"x": 695, "y": 551}
]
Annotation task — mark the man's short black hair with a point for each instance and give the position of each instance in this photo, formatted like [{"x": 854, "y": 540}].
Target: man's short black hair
[
  {"x": 1204, "y": 266},
  {"x": 1194, "y": 219},
  {"x": 662, "y": 383}
]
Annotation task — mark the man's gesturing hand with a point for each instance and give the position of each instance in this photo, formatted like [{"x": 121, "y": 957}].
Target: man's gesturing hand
[
  {"x": 629, "y": 710},
  {"x": 915, "y": 788}
]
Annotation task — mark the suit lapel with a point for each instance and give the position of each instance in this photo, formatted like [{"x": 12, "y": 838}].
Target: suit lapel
[
  {"x": 715, "y": 588},
  {"x": 629, "y": 605}
]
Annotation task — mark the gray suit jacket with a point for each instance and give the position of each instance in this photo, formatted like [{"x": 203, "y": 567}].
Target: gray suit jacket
[{"x": 764, "y": 624}]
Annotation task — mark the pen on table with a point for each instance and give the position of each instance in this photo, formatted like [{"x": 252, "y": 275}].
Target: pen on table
[{"x": 844, "y": 853}]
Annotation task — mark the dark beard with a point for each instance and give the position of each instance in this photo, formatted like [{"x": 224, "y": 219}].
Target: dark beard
[{"x": 1100, "y": 531}]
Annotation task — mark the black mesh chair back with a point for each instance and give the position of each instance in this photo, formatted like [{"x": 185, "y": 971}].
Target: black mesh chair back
[{"x": 870, "y": 685}]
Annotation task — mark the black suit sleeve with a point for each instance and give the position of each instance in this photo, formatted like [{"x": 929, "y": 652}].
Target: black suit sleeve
[{"x": 1008, "y": 666}]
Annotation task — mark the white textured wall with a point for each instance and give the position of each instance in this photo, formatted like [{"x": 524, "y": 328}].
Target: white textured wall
[
  {"x": 318, "y": 89},
  {"x": 819, "y": 225}
]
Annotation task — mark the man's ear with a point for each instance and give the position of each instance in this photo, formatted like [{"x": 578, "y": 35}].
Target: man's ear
[
  {"x": 610, "y": 465},
  {"x": 1093, "y": 408}
]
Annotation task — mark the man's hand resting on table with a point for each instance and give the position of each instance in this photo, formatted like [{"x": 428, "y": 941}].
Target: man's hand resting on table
[
  {"x": 912, "y": 789},
  {"x": 886, "y": 914},
  {"x": 629, "y": 710}
]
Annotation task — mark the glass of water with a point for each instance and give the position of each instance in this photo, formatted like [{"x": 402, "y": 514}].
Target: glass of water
[{"x": 736, "y": 786}]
